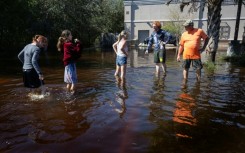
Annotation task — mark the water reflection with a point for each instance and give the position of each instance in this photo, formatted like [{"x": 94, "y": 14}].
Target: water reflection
[
  {"x": 184, "y": 113},
  {"x": 142, "y": 113},
  {"x": 50, "y": 119},
  {"x": 121, "y": 95},
  {"x": 158, "y": 90}
]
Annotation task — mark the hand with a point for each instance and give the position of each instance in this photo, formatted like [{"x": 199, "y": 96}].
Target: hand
[
  {"x": 178, "y": 58},
  {"x": 163, "y": 43},
  {"x": 76, "y": 40},
  {"x": 146, "y": 52},
  {"x": 41, "y": 77}
]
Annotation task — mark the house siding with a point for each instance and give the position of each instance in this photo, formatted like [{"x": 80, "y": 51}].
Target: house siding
[{"x": 139, "y": 15}]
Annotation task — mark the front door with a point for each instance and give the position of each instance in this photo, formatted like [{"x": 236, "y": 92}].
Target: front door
[{"x": 142, "y": 34}]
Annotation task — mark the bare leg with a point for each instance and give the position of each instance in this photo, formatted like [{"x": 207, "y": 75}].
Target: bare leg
[
  {"x": 73, "y": 87},
  {"x": 117, "y": 70},
  {"x": 118, "y": 79},
  {"x": 32, "y": 91},
  {"x": 198, "y": 74},
  {"x": 123, "y": 71},
  {"x": 184, "y": 83},
  {"x": 68, "y": 87},
  {"x": 123, "y": 82},
  {"x": 157, "y": 69},
  {"x": 164, "y": 68},
  {"x": 185, "y": 73}
]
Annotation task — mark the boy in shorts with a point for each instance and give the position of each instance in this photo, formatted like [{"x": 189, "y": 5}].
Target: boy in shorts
[{"x": 157, "y": 38}]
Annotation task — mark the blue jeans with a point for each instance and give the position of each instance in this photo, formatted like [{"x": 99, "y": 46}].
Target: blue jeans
[{"x": 31, "y": 78}]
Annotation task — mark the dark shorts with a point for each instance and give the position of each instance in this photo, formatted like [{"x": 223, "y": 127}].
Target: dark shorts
[
  {"x": 31, "y": 79},
  {"x": 196, "y": 63},
  {"x": 121, "y": 60},
  {"x": 160, "y": 54}
]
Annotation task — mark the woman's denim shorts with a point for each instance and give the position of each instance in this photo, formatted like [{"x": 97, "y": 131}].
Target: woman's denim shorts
[{"x": 121, "y": 60}]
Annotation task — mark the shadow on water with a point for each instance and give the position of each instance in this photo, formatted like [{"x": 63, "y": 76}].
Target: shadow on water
[{"x": 141, "y": 113}]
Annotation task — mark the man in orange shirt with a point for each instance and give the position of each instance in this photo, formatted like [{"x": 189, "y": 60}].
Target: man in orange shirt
[{"x": 190, "y": 47}]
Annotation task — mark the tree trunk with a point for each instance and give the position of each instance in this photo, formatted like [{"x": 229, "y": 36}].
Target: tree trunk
[
  {"x": 238, "y": 19},
  {"x": 235, "y": 46},
  {"x": 214, "y": 15}
]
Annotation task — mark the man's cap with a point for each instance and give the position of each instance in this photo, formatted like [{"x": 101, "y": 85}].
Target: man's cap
[{"x": 188, "y": 22}]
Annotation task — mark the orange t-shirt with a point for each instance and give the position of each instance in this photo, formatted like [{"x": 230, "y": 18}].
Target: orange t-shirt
[{"x": 191, "y": 42}]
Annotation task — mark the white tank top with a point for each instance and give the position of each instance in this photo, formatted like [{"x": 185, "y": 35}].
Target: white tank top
[{"x": 119, "y": 49}]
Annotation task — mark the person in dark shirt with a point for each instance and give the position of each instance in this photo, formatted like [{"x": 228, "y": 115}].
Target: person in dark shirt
[
  {"x": 72, "y": 53},
  {"x": 157, "y": 38},
  {"x": 29, "y": 56}
]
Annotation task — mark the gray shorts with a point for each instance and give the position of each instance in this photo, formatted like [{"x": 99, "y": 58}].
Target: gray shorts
[{"x": 196, "y": 63}]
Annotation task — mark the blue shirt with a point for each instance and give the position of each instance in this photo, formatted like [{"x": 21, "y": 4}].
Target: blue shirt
[
  {"x": 29, "y": 57},
  {"x": 157, "y": 38}
]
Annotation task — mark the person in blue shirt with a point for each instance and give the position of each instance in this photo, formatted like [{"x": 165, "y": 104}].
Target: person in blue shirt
[
  {"x": 29, "y": 56},
  {"x": 157, "y": 38}
]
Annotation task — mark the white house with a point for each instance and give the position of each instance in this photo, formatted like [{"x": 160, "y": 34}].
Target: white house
[{"x": 139, "y": 15}]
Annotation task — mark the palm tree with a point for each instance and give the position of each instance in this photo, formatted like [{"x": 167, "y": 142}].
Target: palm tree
[
  {"x": 213, "y": 22},
  {"x": 234, "y": 46},
  {"x": 214, "y": 15},
  {"x": 238, "y": 18}
]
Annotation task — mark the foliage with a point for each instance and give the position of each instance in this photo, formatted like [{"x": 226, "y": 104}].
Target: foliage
[
  {"x": 13, "y": 23},
  {"x": 174, "y": 26},
  {"x": 209, "y": 66},
  {"x": 87, "y": 19},
  {"x": 112, "y": 16},
  {"x": 170, "y": 27}
]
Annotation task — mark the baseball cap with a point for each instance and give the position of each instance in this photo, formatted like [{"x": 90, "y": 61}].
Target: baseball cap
[{"x": 188, "y": 22}]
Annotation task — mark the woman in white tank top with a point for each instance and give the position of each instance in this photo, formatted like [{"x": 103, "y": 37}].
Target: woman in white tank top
[{"x": 121, "y": 49}]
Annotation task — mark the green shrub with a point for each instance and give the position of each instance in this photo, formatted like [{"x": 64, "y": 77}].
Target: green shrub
[{"x": 209, "y": 66}]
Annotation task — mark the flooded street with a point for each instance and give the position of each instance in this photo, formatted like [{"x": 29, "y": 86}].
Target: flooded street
[{"x": 141, "y": 114}]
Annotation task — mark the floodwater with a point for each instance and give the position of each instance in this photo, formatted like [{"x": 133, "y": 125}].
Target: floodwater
[{"x": 141, "y": 114}]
